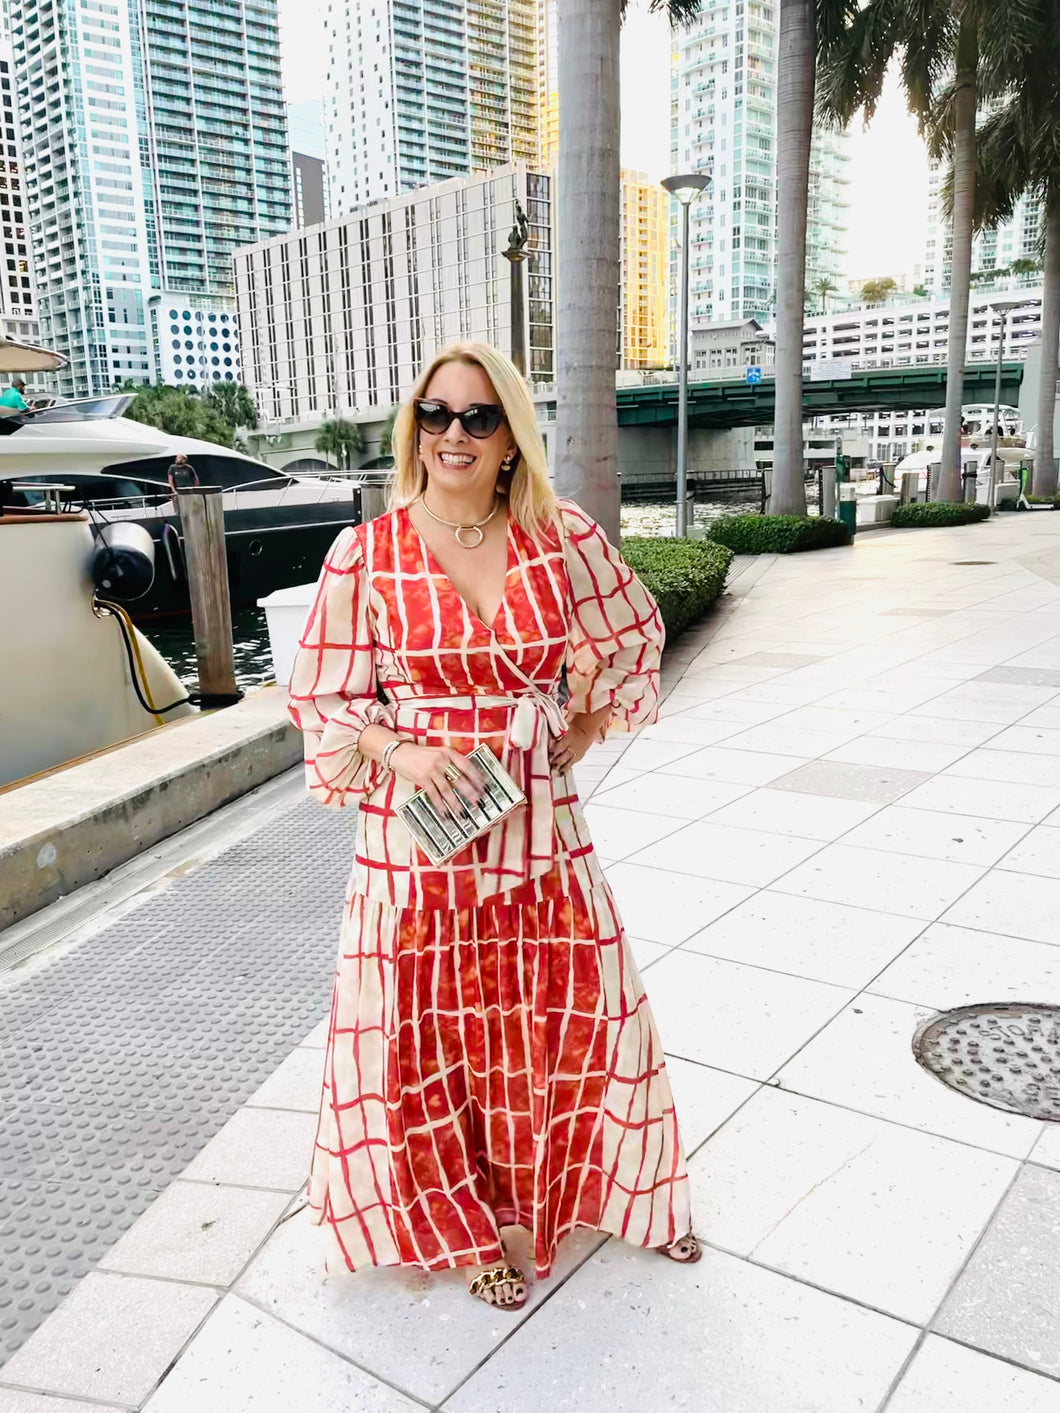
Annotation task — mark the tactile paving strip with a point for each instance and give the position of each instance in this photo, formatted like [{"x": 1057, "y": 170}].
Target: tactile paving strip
[
  {"x": 121, "y": 1059},
  {"x": 52, "y": 1234}
]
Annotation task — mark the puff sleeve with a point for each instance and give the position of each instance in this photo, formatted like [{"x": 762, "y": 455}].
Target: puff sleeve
[
  {"x": 333, "y": 692},
  {"x": 616, "y": 633}
]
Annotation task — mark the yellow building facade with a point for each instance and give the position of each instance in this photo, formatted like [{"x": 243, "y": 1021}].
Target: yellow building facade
[
  {"x": 548, "y": 80},
  {"x": 645, "y": 272}
]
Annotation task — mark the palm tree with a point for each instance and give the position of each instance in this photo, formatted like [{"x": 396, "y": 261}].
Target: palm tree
[
  {"x": 807, "y": 27},
  {"x": 1019, "y": 154},
  {"x": 386, "y": 436},
  {"x": 234, "y": 403},
  {"x": 179, "y": 411},
  {"x": 824, "y": 286},
  {"x": 588, "y": 269},
  {"x": 340, "y": 439},
  {"x": 877, "y": 291},
  {"x": 943, "y": 48}
]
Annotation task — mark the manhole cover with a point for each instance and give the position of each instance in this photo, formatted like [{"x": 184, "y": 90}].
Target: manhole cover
[
  {"x": 1007, "y": 1056},
  {"x": 973, "y": 561}
]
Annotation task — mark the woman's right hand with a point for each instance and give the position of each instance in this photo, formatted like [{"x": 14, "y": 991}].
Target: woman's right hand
[{"x": 425, "y": 767}]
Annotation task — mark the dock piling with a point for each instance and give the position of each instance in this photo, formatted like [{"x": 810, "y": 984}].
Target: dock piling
[{"x": 203, "y": 522}]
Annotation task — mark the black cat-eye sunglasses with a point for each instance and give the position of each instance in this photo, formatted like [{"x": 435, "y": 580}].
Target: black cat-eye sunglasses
[{"x": 480, "y": 420}]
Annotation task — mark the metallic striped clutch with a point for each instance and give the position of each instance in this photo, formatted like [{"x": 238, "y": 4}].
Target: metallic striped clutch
[{"x": 441, "y": 833}]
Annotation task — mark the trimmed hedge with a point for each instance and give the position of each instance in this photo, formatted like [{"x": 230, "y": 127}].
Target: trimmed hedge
[
  {"x": 938, "y": 512},
  {"x": 777, "y": 534},
  {"x": 683, "y": 576}
]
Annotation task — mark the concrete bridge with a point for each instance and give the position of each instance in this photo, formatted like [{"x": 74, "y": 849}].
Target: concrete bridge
[{"x": 733, "y": 402}]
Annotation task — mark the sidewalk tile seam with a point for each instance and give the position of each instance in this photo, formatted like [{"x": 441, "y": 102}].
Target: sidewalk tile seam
[
  {"x": 929, "y": 1327},
  {"x": 322, "y": 1344},
  {"x": 814, "y": 1285},
  {"x": 774, "y": 1083},
  {"x": 61, "y": 1398},
  {"x": 992, "y": 1354}
]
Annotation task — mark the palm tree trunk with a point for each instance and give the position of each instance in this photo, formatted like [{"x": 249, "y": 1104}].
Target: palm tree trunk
[
  {"x": 1044, "y": 483},
  {"x": 587, "y": 257},
  {"x": 795, "y": 85},
  {"x": 950, "y": 485}
]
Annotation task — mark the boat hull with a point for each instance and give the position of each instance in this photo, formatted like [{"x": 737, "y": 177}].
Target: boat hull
[{"x": 267, "y": 548}]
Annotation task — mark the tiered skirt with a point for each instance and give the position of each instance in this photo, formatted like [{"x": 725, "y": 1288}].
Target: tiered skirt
[{"x": 490, "y": 1067}]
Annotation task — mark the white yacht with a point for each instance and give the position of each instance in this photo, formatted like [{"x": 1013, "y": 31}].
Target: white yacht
[
  {"x": 85, "y": 455},
  {"x": 76, "y": 677}
]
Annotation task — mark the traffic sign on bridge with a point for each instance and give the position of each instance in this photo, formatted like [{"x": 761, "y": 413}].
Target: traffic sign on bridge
[{"x": 754, "y": 375}]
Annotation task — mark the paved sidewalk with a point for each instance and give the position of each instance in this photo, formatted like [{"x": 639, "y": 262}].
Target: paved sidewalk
[{"x": 848, "y": 818}]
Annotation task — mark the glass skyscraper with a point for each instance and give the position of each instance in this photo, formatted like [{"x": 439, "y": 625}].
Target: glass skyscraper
[
  {"x": 723, "y": 94},
  {"x": 418, "y": 91},
  {"x": 155, "y": 144}
]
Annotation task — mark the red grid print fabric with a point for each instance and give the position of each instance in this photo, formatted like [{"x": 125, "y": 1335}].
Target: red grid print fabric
[{"x": 492, "y": 1059}]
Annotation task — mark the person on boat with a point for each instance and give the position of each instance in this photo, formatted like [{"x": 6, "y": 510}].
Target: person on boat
[
  {"x": 182, "y": 474},
  {"x": 12, "y": 398},
  {"x": 491, "y": 1060}
]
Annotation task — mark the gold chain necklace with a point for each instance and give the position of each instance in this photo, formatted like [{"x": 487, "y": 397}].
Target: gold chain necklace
[{"x": 459, "y": 529}]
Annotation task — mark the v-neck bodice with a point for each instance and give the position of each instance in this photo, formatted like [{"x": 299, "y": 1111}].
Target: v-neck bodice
[
  {"x": 434, "y": 565},
  {"x": 391, "y": 641}
]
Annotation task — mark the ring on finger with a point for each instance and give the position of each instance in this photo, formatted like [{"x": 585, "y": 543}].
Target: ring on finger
[{"x": 452, "y": 774}]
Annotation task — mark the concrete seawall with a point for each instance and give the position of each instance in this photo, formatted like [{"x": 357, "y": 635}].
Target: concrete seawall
[{"x": 72, "y": 826}]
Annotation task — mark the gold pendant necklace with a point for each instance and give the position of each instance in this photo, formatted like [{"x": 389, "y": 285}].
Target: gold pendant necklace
[{"x": 459, "y": 529}]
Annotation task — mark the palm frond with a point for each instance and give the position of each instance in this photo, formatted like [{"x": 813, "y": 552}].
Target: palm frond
[
  {"x": 1011, "y": 33},
  {"x": 679, "y": 12},
  {"x": 853, "y": 65}
]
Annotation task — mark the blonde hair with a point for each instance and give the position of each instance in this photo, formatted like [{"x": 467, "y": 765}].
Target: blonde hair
[{"x": 531, "y": 499}]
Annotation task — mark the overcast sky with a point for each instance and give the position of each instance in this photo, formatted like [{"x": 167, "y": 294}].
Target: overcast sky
[{"x": 888, "y": 189}]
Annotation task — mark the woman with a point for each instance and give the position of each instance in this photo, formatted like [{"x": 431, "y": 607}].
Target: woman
[{"x": 491, "y": 1059}]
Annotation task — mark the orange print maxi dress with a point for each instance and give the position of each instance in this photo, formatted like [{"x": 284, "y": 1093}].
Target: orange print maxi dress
[{"x": 491, "y": 1059}]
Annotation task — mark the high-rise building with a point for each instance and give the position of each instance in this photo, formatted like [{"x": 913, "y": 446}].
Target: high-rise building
[
  {"x": 723, "y": 104},
  {"x": 645, "y": 286},
  {"x": 17, "y": 302},
  {"x": 548, "y": 78},
  {"x": 417, "y": 91},
  {"x": 998, "y": 249},
  {"x": 155, "y": 144},
  {"x": 309, "y": 177},
  {"x": 342, "y": 317}
]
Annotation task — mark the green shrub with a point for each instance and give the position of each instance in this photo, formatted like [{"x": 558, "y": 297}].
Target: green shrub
[
  {"x": 684, "y": 576},
  {"x": 777, "y": 534},
  {"x": 938, "y": 512}
]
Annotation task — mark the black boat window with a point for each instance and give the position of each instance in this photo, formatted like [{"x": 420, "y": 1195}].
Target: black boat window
[{"x": 213, "y": 470}]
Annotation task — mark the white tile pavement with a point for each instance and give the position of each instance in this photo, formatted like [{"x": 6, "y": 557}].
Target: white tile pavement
[{"x": 847, "y": 818}]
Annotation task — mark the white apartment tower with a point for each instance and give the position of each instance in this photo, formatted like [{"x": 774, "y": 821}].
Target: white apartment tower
[
  {"x": 17, "y": 299},
  {"x": 419, "y": 91},
  {"x": 723, "y": 103},
  {"x": 999, "y": 249}
]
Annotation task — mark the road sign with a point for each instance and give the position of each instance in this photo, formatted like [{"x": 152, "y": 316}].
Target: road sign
[
  {"x": 831, "y": 369},
  {"x": 754, "y": 375}
]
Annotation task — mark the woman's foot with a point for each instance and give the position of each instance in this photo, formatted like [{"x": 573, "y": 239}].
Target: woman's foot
[
  {"x": 501, "y": 1285},
  {"x": 686, "y": 1250}
]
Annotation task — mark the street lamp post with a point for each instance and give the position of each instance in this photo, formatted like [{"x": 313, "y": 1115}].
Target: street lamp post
[
  {"x": 686, "y": 188},
  {"x": 1002, "y": 307}
]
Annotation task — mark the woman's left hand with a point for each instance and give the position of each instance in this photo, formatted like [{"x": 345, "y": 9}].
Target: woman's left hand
[{"x": 568, "y": 749}]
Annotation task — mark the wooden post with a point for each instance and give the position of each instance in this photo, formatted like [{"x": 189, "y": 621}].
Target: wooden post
[{"x": 202, "y": 519}]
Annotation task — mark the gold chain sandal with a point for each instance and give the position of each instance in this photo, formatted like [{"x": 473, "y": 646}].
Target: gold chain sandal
[
  {"x": 486, "y": 1287},
  {"x": 686, "y": 1250}
]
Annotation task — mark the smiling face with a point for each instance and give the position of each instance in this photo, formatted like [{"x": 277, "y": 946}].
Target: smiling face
[{"x": 457, "y": 464}]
